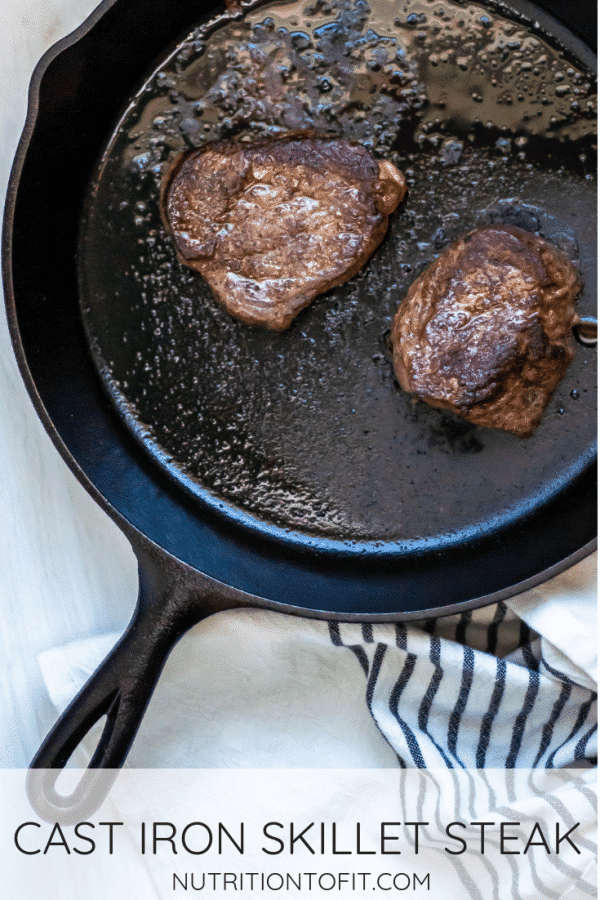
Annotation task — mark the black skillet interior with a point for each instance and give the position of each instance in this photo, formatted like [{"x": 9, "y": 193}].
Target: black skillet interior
[{"x": 290, "y": 466}]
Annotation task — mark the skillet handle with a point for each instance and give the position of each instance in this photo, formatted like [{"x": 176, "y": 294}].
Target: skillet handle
[{"x": 121, "y": 688}]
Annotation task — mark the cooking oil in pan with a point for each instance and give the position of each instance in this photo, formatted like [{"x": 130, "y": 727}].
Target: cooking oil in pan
[{"x": 489, "y": 119}]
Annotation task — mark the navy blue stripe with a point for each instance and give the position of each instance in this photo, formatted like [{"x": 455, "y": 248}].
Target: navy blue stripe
[
  {"x": 361, "y": 656},
  {"x": 401, "y": 636},
  {"x": 524, "y": 633},
  {"x": 411, "y": 741},
  {"x": 463, "y": 695},
  {"x": 396, "y": 693},
  {"x": 521, "y": 720},
  {"x": 373, "y": 676},
  {"x": 334, "y": 634},
  {"x": 429, "y": 626},
  {"x": 581, "y": 717},
  {"x": 492, "y": 634},
  {"x": 367, "y": 633},
  {"x": 582, "y": 744},
  {"x": 560, "y": 675},
  {"x": 565, "y": 692},
  {"x": 375, "y": 668},
  {"x": 490, "y": 715},
  {"x": 531, "y": 660},
  {"x": 432, "y": 689},
  {"x": 461, "y": 628},
  {"x": 336, "y": 638}
]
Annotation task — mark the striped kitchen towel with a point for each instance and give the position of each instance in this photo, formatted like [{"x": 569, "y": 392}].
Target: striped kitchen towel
[{"x": 472, "y": 691}]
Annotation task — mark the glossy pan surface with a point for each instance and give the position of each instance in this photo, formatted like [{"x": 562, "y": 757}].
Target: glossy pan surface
[{"x": 304, "y": 435}]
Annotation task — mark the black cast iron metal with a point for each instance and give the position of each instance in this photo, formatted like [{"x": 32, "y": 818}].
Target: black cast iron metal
[{"x": 198, "y": 553}]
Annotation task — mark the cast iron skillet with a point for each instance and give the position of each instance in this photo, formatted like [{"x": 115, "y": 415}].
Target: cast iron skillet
[{"x": 198, "y": 554}]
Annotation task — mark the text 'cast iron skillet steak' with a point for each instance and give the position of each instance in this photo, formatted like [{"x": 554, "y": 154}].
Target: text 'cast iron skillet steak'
[{"x": 288, "y": 470}]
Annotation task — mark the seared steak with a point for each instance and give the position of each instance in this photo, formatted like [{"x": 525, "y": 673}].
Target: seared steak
[
  {"x": 271, "y": 224},
  {"x": 486, "y": 330}
]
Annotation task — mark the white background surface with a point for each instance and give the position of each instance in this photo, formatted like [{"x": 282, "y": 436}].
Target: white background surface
[{"x": 65, "y": 569}]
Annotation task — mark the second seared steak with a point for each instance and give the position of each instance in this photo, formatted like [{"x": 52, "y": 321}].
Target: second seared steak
[
  {"x": 273, "y": 223},
  {"x": 486, "y": 331}
]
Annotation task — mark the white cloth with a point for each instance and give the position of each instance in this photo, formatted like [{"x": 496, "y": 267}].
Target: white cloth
[{"x": 466, "y": 700}]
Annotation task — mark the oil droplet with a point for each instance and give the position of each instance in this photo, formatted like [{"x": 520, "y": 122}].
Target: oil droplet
[
  {"x": 451, "y": 151},
  {"x": 575, "y": 394}
]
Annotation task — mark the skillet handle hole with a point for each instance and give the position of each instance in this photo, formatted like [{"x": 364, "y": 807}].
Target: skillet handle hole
[{"x": 68, "y": 777}]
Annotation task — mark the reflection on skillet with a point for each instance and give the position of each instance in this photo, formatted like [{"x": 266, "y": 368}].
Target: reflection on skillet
[{"x": 307, "y": 430}]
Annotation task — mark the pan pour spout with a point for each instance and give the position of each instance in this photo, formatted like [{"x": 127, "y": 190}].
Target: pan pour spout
[{"x": 271, "y": 224}]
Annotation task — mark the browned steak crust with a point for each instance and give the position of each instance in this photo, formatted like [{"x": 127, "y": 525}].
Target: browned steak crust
[
  {"x": 273, "y": 223},
  {"x": 486, "y": 330}
]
